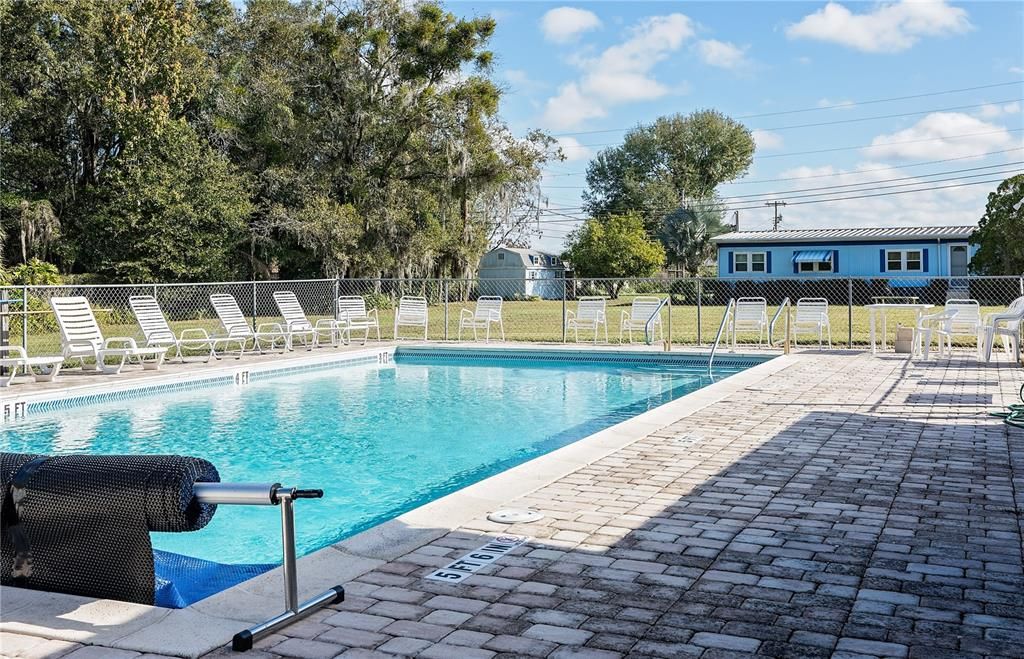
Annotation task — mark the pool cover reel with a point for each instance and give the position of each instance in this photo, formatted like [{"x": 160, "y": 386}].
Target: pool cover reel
[{"x": 80, "y": 524}]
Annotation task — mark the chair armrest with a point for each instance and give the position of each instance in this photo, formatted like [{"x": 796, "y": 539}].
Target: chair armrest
[
  {"x": 296, "y": 325},
  {"x": 464, "y": 312},
  {"x": 198, "y": 331},
  {"x": 569, "y": 315},
  {"x": 372, "y": 313},
  {"x": 325, "y": 323},
  {"x": 624, "y": 317},
  {"x": 272, "y": 328},
  {"x": 126, "y": 340},
  {"x": 13, "y": 349}
]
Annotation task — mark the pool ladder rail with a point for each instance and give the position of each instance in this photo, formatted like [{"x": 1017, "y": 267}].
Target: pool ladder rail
[{"x": 272, "y": 494}]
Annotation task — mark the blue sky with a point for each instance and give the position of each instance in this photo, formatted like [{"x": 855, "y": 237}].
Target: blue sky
[{"x": 604, "y": 66}]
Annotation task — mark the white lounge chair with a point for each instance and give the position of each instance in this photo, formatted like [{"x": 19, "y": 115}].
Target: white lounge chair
[
  {"x": 298, "y": 325},
  {"x": 351, "y": 313},
  {"x": 812, "y": 318},
  {"x": 82, "y": 339},
  {"x": 486, "y": 313},
  {"x": 158, "y": 333},
  {"x": 967, "y": 321},
  {"x": 237, "y": 327},
  {"x": 749, "y": 315},
  {"x": 589, "y": 315},
  {"x": 412, "y": 312},
  {"x": 1007, "y": 325},
  {"x": 13, "y": 358},
  {"x": 639, "y": 313}
]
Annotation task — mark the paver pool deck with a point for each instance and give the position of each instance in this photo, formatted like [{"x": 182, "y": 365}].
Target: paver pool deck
[{"x": 843, "y": 505}]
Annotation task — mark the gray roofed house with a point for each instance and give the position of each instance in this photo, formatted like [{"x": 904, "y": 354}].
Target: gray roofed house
[{"x": 515, "y": 272}]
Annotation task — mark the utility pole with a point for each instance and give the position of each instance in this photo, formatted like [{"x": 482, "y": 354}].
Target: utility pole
[{"x": 778, "y": 218}]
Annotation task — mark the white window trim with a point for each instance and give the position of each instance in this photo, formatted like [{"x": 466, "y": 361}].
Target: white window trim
[
  {"x": 903, "y": 260},
  {"x": 749, "y": 262},
  {"x": 818, "y": 266}
]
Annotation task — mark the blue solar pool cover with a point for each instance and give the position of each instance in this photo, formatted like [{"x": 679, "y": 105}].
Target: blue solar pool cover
[{"x": 183, "y": 580}]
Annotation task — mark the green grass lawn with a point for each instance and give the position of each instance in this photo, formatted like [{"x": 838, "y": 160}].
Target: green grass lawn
[{"x": 535, "y": 321}]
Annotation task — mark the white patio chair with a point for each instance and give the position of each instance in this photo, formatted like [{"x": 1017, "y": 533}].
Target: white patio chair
[
  {"x": 639, "y": 313},
  {"x": 589, "y": 315},
  {"x": 812, "y": 318},
  {"x": 81, "y": 339},
  {"x": 486, "y": 313},
  {"x": 350, "y": 310},
  {"x": 939, "y": 324},
  {"x": 297, "y": 325},
  {"x": 967, "y": 321},
  {"x": 14, "y": 357},
  {"x": 412, "y": 312},
  {"x": 236, "y": 326},
  {"x": 158, "y": 333},
  {"x": 749, "y": 315},
  {"x": 1007, "y": 325}
]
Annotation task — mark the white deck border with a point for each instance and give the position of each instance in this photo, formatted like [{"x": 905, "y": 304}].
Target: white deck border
[{"x": 210, "y": 623}]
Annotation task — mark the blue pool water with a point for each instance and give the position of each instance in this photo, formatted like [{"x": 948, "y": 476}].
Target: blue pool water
[{"x": 379, "y": 440}]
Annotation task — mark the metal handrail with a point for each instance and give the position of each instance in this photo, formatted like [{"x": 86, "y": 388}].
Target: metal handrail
[
  {"x": 721, "y": 329},
  {"x": 785, "y": 304},
  {"x": 649, "y": 325}
]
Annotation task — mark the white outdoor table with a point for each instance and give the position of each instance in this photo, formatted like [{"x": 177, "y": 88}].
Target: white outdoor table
[{"x": 882, "y": 308}]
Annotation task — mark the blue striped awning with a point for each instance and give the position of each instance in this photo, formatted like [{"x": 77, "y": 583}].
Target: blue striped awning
[{"x": 812, "y": 256}]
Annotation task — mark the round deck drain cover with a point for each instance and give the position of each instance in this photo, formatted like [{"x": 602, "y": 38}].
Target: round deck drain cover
[{"x": 514, "y": 516}]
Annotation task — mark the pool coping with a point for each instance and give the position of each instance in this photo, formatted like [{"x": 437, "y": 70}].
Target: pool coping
[{"x": 210, "y": 623}]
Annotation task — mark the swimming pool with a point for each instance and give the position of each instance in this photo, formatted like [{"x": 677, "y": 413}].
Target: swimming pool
[{"x": 380, "y": 439}]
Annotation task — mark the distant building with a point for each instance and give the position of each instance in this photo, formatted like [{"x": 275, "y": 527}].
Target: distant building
[
  {"x": 512, "y": 272},
  {"x": 917, "y": 252}
]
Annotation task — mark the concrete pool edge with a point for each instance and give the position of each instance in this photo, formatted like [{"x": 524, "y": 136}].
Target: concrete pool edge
[{"x": 210, "y": 623}]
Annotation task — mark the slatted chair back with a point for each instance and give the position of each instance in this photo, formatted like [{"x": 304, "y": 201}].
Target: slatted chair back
[
  {"x": 590, "y": 309},
  {"x": 751, "y": 312},
  {"x": 811, "y": 310},
  {"x": 643, "y": 308},
  {"x": 230, "y": 315},
  {"x": 288, "y": 304},
  {"x": 412, "y": 309},
  {"x": 488, "y": 307},
  {"x": 151, "y": 319},
  {"x": 351, "y": 306},
  {"x": 78, "y": 326},
  {"x": 967, "y": 318}
]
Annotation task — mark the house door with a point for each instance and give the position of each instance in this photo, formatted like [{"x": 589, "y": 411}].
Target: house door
[{"x": 958, "y": 261}]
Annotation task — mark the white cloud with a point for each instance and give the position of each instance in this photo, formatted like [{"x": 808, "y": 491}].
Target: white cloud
[
  {"x": 620, "y": 73},
  {"x": 934, "y": 137},
  {"x": 886, "y": 28},
  {"x": 828, "y": 103},
  {"x": 573, "y": 150},
  {"x": 993, "y": 110},
  {"x": 1017, "y": 70},
  {"x": 722, "y": 54},
  {"x": 566, "y": 24},
  {"x": 952, "y": 205},
  {"x": 766, "y": 140}
]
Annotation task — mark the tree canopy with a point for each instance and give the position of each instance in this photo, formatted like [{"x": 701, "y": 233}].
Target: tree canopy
[
  {"x": 616, "y": 246},
  {"x": 1000, "y": 233},
  {"x": 185, "y": 139},
  {"x": 661, "y": 166},
  {"x": 686, "y": 234}
]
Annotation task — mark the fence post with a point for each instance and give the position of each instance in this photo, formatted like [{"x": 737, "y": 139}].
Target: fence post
[
  {"x": 445, "y": 309},
  {"x": 849, "y": 313},
  {"x": 700, "y": 294},
  {"x": 337, "y": 294},
  {"x": 254, "y": 305},
  {"x": 668, "y": 346},
  {"x": 564, "y": 285},
  {"x": 24, "y": 318}
]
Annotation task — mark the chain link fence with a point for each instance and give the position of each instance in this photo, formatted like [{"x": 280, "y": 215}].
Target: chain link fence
[{"x": 533, "y": 310}]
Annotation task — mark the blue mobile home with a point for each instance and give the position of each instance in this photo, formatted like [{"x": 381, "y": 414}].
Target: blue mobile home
[{"x": 917, "y": 253}]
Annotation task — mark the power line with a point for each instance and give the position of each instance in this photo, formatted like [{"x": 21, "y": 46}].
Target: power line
[
  {"x": 871, "y": 182},
  {"x": 842, "y": 106},
  {"x": 827, "y": 123},
  {"x": 811, "y": 201},
  {"x": 810, "y": 176}
]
